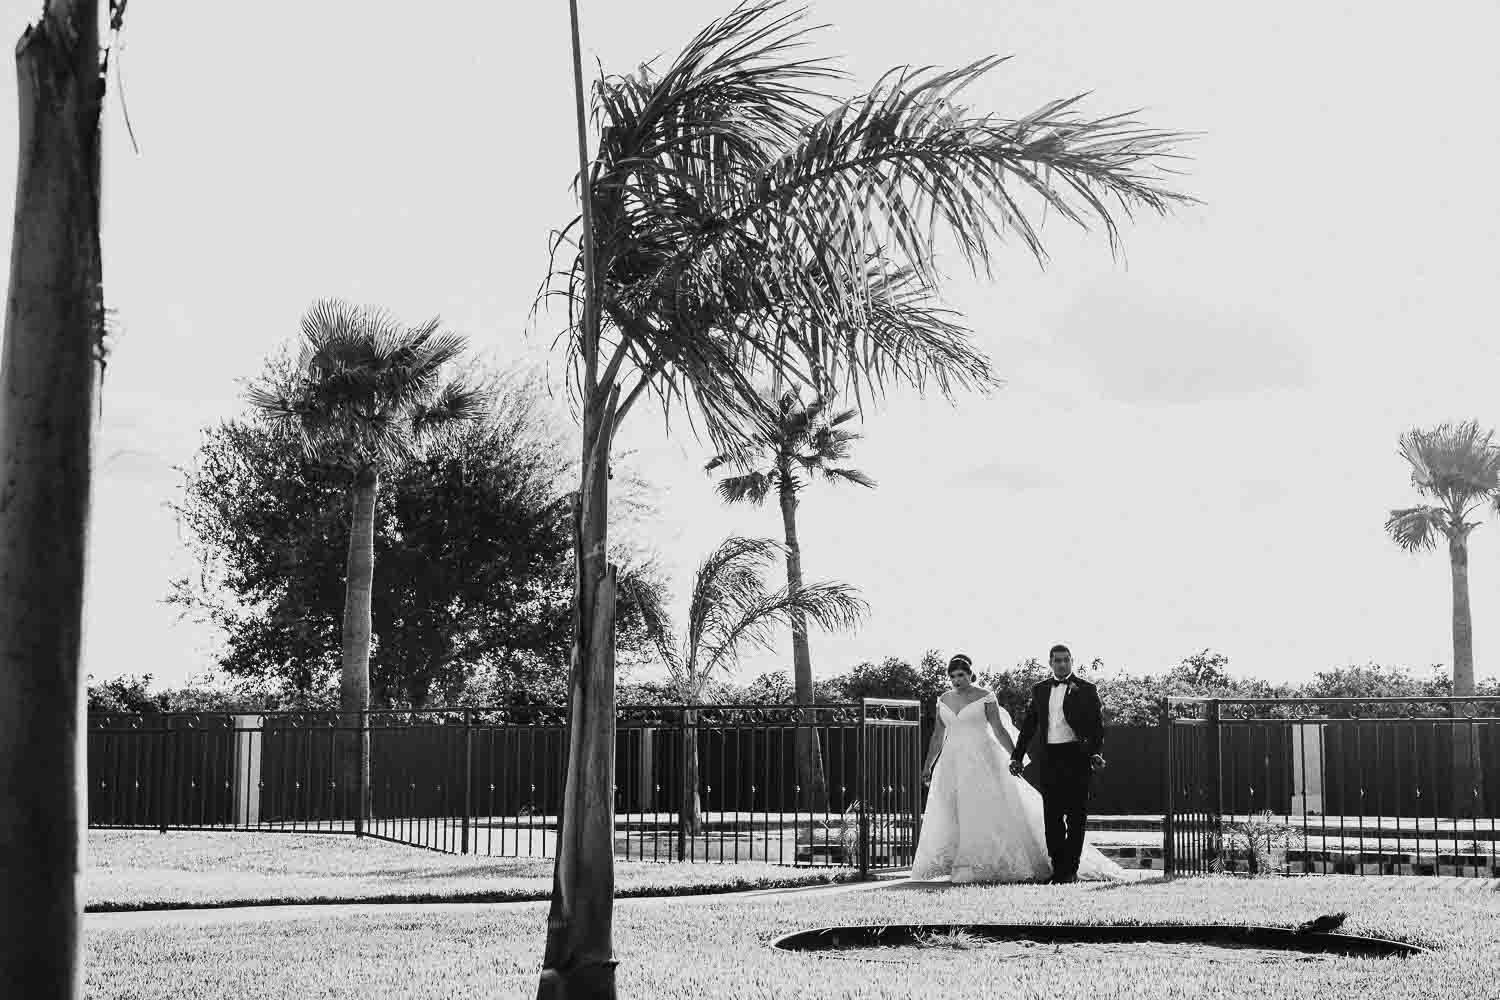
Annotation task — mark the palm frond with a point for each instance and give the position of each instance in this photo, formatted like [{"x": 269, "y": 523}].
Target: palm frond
[
  {"x": 849, "y": 476},
  {"x": 751, "y": 487},
  {"x": 644, "y": 593},
  {"x": 365, "y": 388},
  {"x": 1417, "y": 529},
  {"x": 729, "y": 578},
  {"x": 1455, "y": 463},
  {"x": 831, "y": 606},
  {"x": 455, "y": 403},
  {"x": 747, "y": 224}
]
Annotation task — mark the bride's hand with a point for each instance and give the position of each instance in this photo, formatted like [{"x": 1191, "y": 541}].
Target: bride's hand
[{"x": 926, "y": 776}]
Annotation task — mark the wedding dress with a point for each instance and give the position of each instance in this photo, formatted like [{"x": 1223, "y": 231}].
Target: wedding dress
[{"x": 982, "y": 823}]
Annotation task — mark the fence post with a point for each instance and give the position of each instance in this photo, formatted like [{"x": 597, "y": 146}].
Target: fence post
[
  {"x": 361, "y": 741},
  {"x": 463, "y": 847},
  {"x": 916, "y": 780},
  {"x": 862, "y": 766},
  {"x": 163, "y": 745},
  {"x": 1168, "y": 832},
  {"x": 1216, "y": 764}
]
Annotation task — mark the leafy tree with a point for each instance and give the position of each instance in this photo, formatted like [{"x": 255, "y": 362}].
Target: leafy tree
[
  {"x": 1374, "y": 680},
  {"x": 739, "y": 224},
  {"x": 1458, "y": 465},
  {"x": 367, "y": 391},
  {"x": 808, "y": 441},
  {"x": 472, "y": 588},
  {"x": 730, "y": 609},
  {"x": 894, "y": 677}
]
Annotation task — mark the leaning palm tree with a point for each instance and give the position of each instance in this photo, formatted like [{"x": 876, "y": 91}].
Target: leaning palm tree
[
  {"x": 53, "y": 361},
  {"x": 1458, "y": 465},
  {"x": 740, "y": 223},
  {"x": 809, "y": 442},
  {"x": 730, "y": 609},
  {"x": 365, "y": 391}
]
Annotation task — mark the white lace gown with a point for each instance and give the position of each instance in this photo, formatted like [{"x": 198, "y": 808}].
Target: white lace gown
[{"x": 982, "y": 823}]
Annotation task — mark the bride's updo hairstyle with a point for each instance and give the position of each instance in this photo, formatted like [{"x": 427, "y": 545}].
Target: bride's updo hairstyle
[{"x": 962, "y": 662}]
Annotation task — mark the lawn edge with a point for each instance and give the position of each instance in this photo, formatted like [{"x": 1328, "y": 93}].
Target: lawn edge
[{"x": 539, "y": 895}]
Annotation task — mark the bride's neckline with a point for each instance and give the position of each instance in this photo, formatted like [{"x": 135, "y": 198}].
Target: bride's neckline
[{"x": 972, "y": 701}]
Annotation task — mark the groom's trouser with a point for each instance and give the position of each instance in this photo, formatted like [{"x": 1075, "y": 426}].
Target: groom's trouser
[{"x": 1065, "y": 800}]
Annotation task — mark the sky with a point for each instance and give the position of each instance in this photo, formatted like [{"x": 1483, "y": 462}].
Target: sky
[{"x": 1195, "y": 445}]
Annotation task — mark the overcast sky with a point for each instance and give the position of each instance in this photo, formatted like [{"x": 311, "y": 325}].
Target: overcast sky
[{"x": 1195, "y": 446}]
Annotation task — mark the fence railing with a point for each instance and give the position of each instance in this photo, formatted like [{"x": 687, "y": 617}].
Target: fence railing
[
  {"x": 1341, "y": 785},
  {"x": 807, "y": 785}
]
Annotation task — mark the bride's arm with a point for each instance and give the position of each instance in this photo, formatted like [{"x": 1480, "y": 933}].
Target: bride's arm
[
  {"x": 992, "y": 715},
  {"x": 934, "y": 747}
]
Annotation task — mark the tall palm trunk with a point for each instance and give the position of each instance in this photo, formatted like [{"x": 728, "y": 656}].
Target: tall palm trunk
[
  {"x": 54, "y": 322},
  {"x": 354, "y": 680},
  {"x": 690, "y": 807},
  {"x": 579, "y": 960},
  {"x": 813, "y": 790},
  {"x": 1467, "y": 783},
  {"x": 1463, "y": 624}
]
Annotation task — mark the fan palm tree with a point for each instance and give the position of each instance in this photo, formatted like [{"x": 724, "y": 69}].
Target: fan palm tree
[
  {"x": 1458, "y": 465},
  {"x": 730, "y": 609},
  {"x": 53, "y": 362},
  {"x": 809, "y": 442},
  {"x": 739, "y": 222},
  {"x": 366, "y": 390}
]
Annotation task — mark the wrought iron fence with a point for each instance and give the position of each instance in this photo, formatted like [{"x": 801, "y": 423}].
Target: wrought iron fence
[
  {"x": 696, "y": 783},
  {"x": 1333, "y": 785}
]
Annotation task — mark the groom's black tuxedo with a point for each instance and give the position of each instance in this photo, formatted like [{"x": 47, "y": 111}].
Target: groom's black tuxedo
[
  {"x": 1081, "y": 707},
  {"x": 1066, "y": 768}
]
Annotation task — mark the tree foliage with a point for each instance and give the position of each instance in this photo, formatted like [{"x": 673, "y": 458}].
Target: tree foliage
[{"x": 473, "y": 572}]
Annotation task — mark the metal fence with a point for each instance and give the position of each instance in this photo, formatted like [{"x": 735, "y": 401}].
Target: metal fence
[
  {"x": 1334, "y": 785},
  {"x": 490, "y": 781}
]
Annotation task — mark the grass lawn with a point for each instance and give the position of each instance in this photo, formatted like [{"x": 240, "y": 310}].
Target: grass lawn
[
  {"x": 704, "y": 948},
  {"x": 131, "y": 870}
]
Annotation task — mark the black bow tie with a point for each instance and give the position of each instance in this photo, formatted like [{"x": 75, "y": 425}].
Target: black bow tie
[{"x": 1056, "y": 682}]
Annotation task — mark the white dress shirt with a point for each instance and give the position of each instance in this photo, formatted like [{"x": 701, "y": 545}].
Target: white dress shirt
[{"x": 1058, "y": 730}]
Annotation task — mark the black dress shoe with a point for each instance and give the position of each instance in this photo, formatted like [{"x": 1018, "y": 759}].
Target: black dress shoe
[{"x": 1064, "y": 879}]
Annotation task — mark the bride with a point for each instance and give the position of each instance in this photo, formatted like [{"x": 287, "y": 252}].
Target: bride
[{"x": 983, "y": 824}]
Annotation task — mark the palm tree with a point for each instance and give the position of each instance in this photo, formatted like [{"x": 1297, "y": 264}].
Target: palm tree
[
  {"x": 1458, "y": 466},
  {"x": 53, "y": 359},
  {"x": 365, "y": 391},
  {"x": 730, "y": 609},
  {"x": 739, "y": 224},
  {"x": 809, "y": 442}
]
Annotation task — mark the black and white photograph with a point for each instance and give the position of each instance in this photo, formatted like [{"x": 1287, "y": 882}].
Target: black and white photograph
[{"x": 749, "y": 499}]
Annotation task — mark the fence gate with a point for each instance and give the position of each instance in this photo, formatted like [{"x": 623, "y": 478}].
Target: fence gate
[{"x": 1192, "y": 824}]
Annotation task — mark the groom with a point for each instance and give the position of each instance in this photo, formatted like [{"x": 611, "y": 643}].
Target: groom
[{"x": 1071, "y": 718}]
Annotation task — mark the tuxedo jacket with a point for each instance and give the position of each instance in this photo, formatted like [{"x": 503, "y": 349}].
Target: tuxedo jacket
[{"x": 1081, "y": 707}]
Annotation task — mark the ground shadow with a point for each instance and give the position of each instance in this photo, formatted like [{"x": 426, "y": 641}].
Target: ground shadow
[{"x": 831, "y": 939}]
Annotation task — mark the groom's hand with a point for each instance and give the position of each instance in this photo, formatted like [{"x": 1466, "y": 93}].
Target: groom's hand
[
  {"x": 1096, "y": 762},
  {"x": 1016, "y": 767}
]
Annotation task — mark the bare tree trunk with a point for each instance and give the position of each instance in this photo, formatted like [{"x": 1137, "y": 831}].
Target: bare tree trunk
[
  {"x": 54, "y": 326},
  {"x": 812, "y": 785},
  {"x": 1467, "y": 774},
  {"x": 354, "y": 679},
  {"x": 579, "y": 960}
]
